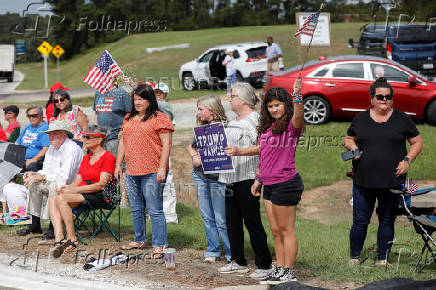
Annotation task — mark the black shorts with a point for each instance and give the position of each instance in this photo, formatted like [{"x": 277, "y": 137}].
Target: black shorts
[
  {"x": 286, "y": 193},
  {"x": 94, "y": 198}
]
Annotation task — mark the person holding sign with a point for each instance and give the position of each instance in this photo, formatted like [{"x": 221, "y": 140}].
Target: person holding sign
[
  {"x": 210, "y": 192},
  {"x": 241, "y": 206},
  {"x": 280, "y": 127}
]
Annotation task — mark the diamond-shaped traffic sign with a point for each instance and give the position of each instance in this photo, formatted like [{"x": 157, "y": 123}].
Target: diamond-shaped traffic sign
[
  {"x": 58, "y": 51},
  {"x": 45, "y": 48}
]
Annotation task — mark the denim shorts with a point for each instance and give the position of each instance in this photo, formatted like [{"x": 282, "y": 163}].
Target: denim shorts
[{"x": 286, "y": 193}]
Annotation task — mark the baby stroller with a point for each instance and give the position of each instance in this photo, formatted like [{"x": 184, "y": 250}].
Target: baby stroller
[{"x": 422, "y": 213}]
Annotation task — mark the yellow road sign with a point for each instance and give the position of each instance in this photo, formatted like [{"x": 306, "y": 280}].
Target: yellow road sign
[
  {"x": 45, "y": 48},
  {"x": 58, "y": 51}
]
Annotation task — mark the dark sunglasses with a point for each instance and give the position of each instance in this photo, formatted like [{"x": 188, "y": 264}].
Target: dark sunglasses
[
  {"x": 382, "y": 97},
  {"x": 60, "y": 100},
  {"x": 32, "y": 116},
  {"x": 87, "y": 137}
]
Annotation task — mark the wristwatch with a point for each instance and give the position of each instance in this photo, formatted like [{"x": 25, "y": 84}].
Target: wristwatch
[{"x": 407, "y": 159}]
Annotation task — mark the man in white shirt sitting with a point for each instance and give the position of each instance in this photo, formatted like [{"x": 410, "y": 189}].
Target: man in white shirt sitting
[{"x": 61, "y": 163}]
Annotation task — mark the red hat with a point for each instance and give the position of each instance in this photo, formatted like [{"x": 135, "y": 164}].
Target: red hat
[{"x": 57, "y": 86}]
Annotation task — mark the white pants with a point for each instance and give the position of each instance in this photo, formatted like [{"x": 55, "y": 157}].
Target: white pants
[
  {"x": 37, "y": 200},
  {"x": 170, "y": 199}
]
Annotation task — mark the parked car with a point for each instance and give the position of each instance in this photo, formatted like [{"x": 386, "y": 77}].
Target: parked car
[
  {"x": 372, "y": 40},
  {"x": 207, "y": 70},
  {"x": 411, "y": 45},
  {"x": 339, "y": 87}
]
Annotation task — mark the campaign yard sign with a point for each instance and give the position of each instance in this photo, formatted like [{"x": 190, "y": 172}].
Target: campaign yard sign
[{"x": 211, "y": 141}]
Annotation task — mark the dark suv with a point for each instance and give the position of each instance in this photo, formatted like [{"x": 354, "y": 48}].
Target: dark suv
[
  {"x": 411, "y": 45},
  {"x": 372, "y": 40}
]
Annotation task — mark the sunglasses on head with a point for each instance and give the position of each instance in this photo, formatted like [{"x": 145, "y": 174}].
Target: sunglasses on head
[
  {"x": 60, "y": 100},
  {"x": 382, "y": 97},
  {"x": 32, "y": 116}
]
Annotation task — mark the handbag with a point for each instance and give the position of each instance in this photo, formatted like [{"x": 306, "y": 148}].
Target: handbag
[{"x": 109, "y": 192}]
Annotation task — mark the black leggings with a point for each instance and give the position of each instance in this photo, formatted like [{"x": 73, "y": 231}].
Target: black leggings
[{"x": 243, "y": 207}]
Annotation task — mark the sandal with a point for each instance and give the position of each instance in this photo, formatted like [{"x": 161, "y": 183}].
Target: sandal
[
  {"x": 157, "y": 253},
  {"x": 71, "y": 247},
  {"x": 59, "y": 248},
  {"x": 133, "y": 246}
]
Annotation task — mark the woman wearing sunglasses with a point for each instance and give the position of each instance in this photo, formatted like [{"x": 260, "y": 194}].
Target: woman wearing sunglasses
[
  {"x": 96, "y": 170},
  {"x": 380, "y": 133},
  {"x": 65, "y": 111}
]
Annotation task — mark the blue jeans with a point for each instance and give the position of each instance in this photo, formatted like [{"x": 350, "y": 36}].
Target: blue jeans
[
  {"x": 212, "y": 204},
  {"x": 231, "y": 80},
  {"x": 363, "y": 206},
  {"x": 144, "y": 191}
]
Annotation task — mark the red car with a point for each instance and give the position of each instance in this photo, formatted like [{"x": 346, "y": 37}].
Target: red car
[{"x": 339, "y": 87}]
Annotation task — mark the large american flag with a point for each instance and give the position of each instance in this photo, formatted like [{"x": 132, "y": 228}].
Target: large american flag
[
  {"x": 309, "y": 25},
  {"x": 102, "y": 73}
]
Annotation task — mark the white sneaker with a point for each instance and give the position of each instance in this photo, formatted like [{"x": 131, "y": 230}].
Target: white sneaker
[
  {"x": 262, "y": 273},
  {"x": 233, "y": 267},
  {"x": 289, "y": 275}
]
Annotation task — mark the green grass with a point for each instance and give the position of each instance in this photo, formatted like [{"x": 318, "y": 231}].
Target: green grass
[{"x": 130, "y": 54}]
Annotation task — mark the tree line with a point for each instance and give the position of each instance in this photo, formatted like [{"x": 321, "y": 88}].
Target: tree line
[{"x": 81, "y": 24}]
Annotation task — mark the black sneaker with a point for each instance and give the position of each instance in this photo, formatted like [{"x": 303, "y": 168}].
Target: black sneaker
[
  {"x": 274, "y": 277},
  {"x": 289, "y": 275}
]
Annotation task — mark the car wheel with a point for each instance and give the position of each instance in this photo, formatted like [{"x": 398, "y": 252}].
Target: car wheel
[
  {"x": 188, "y": 82},
  {"x": 431, "y": 113},
  {"x": 316, "y": 110}
]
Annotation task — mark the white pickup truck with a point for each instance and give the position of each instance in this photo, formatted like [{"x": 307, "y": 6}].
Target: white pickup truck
[{"x": 7, "y": 61}]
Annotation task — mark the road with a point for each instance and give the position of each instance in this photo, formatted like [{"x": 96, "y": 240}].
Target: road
[{"x": 6, "y": 87}]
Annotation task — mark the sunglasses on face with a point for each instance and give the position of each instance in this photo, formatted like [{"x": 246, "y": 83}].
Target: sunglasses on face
[
  {"x": 60, "y": 100},
  {"x": 382, "y": 97},
  {"x": 32, "y": 116}
]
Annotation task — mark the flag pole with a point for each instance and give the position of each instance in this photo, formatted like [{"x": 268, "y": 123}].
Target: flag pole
[{"x": 311, "y": 38}]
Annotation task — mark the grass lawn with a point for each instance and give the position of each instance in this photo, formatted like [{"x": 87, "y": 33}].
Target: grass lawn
[{"x": 130, "y": 54}]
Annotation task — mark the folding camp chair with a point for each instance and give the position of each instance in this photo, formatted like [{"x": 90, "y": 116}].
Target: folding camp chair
[
  {"x": 424, "y": 222},
  {"x": 92, "y": 218}
]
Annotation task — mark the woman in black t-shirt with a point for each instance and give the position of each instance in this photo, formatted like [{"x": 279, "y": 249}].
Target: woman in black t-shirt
[{"x": 381, "y": 134}]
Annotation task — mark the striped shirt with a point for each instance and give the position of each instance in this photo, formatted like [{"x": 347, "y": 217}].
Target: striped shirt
[{"x": 242, "y": 133}]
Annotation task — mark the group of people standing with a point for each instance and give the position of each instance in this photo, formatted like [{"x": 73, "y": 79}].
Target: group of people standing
[{"x": 262, "y": 142}]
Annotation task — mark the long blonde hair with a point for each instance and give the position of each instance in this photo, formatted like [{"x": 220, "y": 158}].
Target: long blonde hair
[{"x": 212, "y": 103}]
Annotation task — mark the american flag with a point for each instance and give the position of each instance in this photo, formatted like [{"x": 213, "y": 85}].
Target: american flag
[
  {"x": 308, "y": 25},
  {"x": 102, "y": 73}
]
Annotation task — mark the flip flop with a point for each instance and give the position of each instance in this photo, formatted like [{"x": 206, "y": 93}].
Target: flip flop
[
  {"x": 59, "y": 248},
  {"x": 133, "y": 246},
  {"x": 71, "y": 247}
]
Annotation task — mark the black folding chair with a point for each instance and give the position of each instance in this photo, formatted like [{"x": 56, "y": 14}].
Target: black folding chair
[
  {"x": 424, "y": 223},
  {"x": 92, "y": 218}
]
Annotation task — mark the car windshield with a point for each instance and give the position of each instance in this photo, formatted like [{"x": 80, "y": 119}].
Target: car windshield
[{"x": 256, "y": 52}]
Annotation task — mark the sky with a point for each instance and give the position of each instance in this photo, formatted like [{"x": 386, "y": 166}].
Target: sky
[{"x": 17, "y": 6}]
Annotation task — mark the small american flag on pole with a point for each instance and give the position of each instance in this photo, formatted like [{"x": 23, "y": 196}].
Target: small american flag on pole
[
  {"x": 102, "y": 73},
  {"x": 309, "y": 25}
]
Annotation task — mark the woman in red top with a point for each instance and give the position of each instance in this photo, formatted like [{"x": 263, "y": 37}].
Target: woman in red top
[
  {"x": 49, "y": 107},
  {"x": 96, "y": 170}
]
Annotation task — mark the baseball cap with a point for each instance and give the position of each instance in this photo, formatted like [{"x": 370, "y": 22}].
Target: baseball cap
[
  {"x": 162, "y": 87},
  {"x": 57, "y": 86},
  {"x": 12, "y": 108}
]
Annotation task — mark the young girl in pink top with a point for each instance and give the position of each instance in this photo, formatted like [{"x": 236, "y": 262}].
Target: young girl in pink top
[{"x": 280, "y": 126}]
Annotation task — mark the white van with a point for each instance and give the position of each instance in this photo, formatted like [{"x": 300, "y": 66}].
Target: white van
[
  {"x": 208, "y": 71},
  {"x": 7, "y": 61}
]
